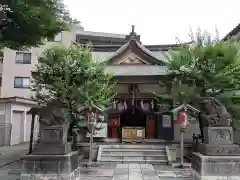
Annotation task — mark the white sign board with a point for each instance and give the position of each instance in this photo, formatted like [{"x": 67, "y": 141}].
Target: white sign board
[
  {"x": 166, "y": 121},
  {"x": 139, "y": 133}
]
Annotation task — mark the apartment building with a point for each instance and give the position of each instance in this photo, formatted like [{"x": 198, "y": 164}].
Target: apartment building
[{"x": 15, "y": 78}]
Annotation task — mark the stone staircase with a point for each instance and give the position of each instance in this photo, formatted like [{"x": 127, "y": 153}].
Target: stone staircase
[{"x": 137, "y": 153}]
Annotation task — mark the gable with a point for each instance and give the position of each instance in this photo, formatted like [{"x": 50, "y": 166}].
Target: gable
[{"x": 129, "y": 58}]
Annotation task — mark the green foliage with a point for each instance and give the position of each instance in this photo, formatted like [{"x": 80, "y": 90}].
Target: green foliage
[
  {"x": 24, "y": 24},
  {"x": 71, "y": 75},
  {"x": 213, "y": 67}
]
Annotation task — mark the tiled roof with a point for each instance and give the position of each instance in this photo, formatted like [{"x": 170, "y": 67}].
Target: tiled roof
[
  {"x": 152, "y": 48},
  {"x": 104, "y": 56},
  {"x": 135, "y": 43},
  {"x": 233, "y": 32}
]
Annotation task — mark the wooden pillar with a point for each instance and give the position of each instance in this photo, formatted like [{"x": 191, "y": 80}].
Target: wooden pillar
[
  {"x": 151, "y": 126},
  {"x": 113, "y": 126}
]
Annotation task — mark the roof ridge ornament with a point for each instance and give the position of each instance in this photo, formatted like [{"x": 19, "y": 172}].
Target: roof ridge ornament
[{"x": 133, "y": 35}]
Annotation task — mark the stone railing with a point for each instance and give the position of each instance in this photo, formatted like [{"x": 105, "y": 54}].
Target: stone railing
[{"x": 169, "y": 157}]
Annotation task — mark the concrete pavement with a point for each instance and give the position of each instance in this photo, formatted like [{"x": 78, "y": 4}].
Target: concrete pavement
[
  {"x": 10, "y": 168},
  {"x": 112, "y": 171},
  {"x": 9, "y": 154}
]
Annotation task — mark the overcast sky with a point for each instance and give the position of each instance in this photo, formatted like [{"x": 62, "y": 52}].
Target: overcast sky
[{"x": 157, "y": 21}]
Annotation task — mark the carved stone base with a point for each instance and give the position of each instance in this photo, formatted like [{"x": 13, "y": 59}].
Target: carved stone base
[
  {"x": 51, "y": 148},
  {"x": 219, "y": 149},
  {"x": 218, "y": 135},
  {"x": 51, "y": 167},
  {"x": 215, "y": 167}
]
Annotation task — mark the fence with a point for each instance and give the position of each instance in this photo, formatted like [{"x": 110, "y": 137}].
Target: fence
[{"x": 5, "y": 133}]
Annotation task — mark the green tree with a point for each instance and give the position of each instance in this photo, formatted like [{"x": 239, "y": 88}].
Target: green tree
[
  {"x": 24, "y": 24},
  {"x": 73, "y": 76},
  {"x": 213, "y": 69}
]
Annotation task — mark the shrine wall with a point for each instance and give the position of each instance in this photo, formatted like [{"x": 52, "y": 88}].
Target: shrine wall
[
  {"x": 143, "y": 88},
  {"x": 121, "y": 88},
  {"x": 148, "y": 88}
]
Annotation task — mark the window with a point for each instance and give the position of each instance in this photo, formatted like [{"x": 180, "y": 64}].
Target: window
[
  {"x": 23, "y": 58},
  {"x": 58, "y": 37},
  {"x": 21, "y": 82}
]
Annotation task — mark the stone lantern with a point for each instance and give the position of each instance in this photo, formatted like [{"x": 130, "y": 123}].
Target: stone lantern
[{"x": 183, "y": 122}]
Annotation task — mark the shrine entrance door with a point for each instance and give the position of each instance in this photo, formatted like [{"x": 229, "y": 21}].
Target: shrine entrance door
[{"x": 133, "y": 117}]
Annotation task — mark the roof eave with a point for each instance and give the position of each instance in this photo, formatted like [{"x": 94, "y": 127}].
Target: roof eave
[{"x": 133, "y": 42}]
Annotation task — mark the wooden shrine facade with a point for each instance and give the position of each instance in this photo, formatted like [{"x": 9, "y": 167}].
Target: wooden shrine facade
[{"x": 140, "y": 72}]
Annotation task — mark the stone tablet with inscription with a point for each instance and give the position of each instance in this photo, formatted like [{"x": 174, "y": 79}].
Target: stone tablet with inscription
[{"x": 218, "y": 135}]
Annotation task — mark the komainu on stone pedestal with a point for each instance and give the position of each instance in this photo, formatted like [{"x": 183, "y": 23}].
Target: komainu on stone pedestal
[
  {"x": 217, "y": 157},
  {"x": 52, "y": 158}
]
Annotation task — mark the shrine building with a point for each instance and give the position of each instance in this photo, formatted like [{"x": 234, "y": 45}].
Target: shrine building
[{"x": 140, "y": 71}]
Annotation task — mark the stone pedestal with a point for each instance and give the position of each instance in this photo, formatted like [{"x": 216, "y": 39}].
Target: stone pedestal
[
  {"x": 51, "y": 167},
  {"x": 218, "y": 158},
  {"x": 52, "y": 158},
  {"x": 219, "y": 149},
  {"x": 218, "y": 141},
  {"x": 218, "y": 135},
  {"x": 215, "y": 167},
  {"x": 53, "y": 140}
]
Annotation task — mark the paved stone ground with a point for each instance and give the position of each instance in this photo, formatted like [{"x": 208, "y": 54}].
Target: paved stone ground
[
  {"x": 9, "y": 154},
  {"x": 138, "y": 172},
  {"x": 112, "y": 172}
]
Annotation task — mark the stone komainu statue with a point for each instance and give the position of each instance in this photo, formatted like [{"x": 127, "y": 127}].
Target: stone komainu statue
[
  {"x": 53, "y": 130},
  {"x": 54, "y": 113},
  {"x": 214, "y": 113}
]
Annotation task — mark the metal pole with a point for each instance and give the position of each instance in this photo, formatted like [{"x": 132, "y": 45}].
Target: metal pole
[
  {"x": 91, "y": 146},
  {"x": 181, "y": 149},
  {"x": 31, "y": 135}
]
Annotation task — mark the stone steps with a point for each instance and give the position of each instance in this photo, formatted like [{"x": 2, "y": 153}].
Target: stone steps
[
  {"x": 132, "y": 154},
  {"x": 135, "y": 150},
  {"x": 143, "y": 154}
]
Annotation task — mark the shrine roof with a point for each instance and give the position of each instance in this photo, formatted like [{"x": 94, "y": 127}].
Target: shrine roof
[
  {"x": 232, "y": 33},
  {"x": 152, "y": 48},
  {"x": 133, "y": 58},
  {"x": 156, "y": 54},
  {"x": 160, "y": 54}
]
